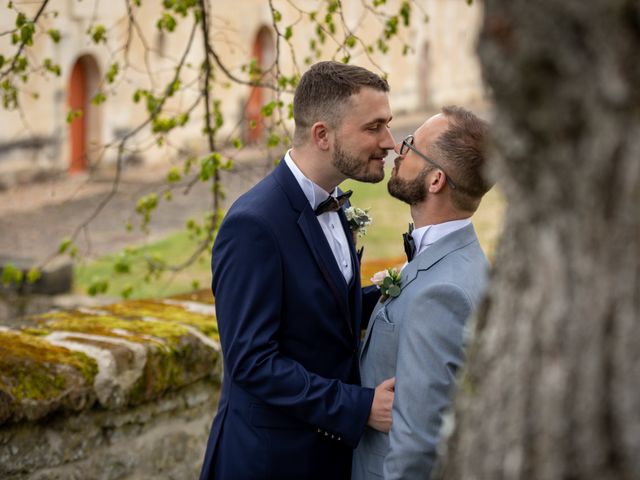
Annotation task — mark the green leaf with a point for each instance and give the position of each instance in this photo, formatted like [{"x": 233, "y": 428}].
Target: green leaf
[
  {"x": 174, "y": 175},
  {"x": 52, "y": 67},
  {"x": 267, "y": 109},
  {"x": 26, "y": 33},
  {"x": 33, "y": 275},
  {"x": 11, "y": 274},
  {"x": 64, "y": 245},
  {"x": 98, "y": 34},
  {"x": 209, "y": 165},
  {"x": 122, "y": 264},
  {"x": 112, "y": 72},
  {"x": 73, "y": 114},
  {"x": 167, "y": 22},
  {"x": 405, "y": 13},
  {"x": 288, "y": 32},
  {"x": 273, "y": 140},
  {"x": 54, "y": 34},
  {"x": 126, "y": 291},
  {"x": 21, "y": 19},
  {"x": 99, "y": 98},
  {"x": 97, "y": 287},
  {"x": 277, "y": 16},
  {"x": 394, "y": 291}
]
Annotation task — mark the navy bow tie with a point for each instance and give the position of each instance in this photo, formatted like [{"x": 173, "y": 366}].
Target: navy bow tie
[
  {"x": 333, "y": 204},
  {"x": 409, "y": 244}
]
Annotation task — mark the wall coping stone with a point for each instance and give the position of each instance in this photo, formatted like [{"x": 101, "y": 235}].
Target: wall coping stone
[{"x": 114, "y": 356}]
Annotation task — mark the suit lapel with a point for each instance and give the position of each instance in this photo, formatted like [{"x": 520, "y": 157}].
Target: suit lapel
[
  {"x": 315, "y": 238},
  {"x": 436, "y": 252}
]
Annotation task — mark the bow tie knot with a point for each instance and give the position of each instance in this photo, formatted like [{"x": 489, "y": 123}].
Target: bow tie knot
[
  {"x": 409, "y": 243},
  {"x": 333, "y": 204}
]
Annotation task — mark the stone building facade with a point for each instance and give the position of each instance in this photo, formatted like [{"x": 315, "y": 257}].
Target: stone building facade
[{"x": 440, "y": 67}]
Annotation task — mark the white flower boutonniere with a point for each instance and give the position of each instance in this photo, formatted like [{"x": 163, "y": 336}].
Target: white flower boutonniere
[
  {"x": 388, "y": 281},
  {"x": 358, "y": 220}
]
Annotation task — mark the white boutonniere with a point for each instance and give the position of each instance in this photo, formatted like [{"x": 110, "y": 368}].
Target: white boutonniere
[
  {"x": 388, "y": 281},
  {"x": 358, "y": 220}
]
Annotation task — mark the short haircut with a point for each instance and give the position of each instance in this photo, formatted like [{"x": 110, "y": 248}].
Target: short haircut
[
  {"x": 462, "y": 150},
  {"x": 323, "y": 92}
]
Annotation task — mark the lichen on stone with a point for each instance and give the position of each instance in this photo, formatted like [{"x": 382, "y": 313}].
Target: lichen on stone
[{"x": 33, "y": 370}]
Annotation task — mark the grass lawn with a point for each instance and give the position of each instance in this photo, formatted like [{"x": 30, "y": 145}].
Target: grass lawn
[
  {"x": 173, "y": 249},
  {"x": 383, "y": 247}
]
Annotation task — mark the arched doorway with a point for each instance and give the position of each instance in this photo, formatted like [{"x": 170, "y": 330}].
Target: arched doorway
[
  {"x": 83, "y": 127},
  {"x": 263, "y": 52}
]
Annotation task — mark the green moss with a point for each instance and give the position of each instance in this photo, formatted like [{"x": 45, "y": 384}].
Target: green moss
[
  {"x": 163, "y": 371},
  {"x": 105, "y": 325},
  {"x": 173, "y": 314},
  {"x": 30, "y": 366}
]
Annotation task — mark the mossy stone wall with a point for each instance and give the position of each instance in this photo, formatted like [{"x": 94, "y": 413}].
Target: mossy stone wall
[{"x": 121, "y": 391}]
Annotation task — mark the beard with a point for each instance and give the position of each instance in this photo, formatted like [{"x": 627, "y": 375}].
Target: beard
[
  {"x": 409, "y": 191},
  {"x": 354, "y": 168}
]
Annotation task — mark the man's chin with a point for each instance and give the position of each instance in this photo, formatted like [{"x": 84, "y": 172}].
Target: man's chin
[{"x": 370, "y": 177}]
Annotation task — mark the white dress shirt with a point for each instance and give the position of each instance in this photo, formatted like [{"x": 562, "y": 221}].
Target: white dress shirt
[
  {"x": 329, "y": 221},
  {"x": 429, "y": 234}
]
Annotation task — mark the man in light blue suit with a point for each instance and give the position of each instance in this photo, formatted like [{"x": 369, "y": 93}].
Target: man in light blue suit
[{"x": 418, "y": 335}]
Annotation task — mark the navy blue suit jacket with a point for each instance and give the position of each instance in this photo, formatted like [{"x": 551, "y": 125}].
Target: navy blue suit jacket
[{"x": 291, "y": 406}]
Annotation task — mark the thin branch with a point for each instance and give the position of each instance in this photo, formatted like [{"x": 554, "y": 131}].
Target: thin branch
[{"x": 23, "y": 44}]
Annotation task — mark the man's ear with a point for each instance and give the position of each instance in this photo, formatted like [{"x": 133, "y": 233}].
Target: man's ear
[
  {"x": 321, "y": 135},
  {"x": 437, "y": 180}
]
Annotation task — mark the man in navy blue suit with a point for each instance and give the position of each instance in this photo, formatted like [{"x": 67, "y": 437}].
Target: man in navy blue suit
[{"x": 288, "y": 299}]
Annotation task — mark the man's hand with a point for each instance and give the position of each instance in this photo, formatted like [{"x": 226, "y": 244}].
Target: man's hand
[{"x": 380, "y": 415}]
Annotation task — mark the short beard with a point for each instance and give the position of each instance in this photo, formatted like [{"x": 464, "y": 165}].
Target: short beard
[
  {"x": 353, "y": 168},
  {"x": 409, "y": 191}
]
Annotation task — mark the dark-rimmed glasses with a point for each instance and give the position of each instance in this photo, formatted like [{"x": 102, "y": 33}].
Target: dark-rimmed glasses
[{"x": 407, "y": 144}]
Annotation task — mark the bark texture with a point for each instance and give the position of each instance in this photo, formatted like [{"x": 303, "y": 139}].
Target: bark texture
[{"x": 552, "y": 387}]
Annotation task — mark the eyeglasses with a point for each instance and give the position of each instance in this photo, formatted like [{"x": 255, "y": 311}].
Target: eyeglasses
[{"x": 407, "y": 144}]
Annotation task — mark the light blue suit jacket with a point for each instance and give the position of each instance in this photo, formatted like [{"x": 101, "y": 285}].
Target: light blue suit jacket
[{"x": 418, "y": 337}]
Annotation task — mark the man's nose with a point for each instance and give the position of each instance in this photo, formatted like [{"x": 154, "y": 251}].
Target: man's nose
[{"x": 388, "y": 142}]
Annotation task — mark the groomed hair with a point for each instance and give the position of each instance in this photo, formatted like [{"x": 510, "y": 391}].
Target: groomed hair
[
  {"x": 323, "y": 93},
  {"x": 462, "y": 150}
]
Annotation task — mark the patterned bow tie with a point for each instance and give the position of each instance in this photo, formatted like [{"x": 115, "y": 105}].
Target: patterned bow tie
[
  {"x": 333, "y": 204},
  {"x": 409, "y": 244}
]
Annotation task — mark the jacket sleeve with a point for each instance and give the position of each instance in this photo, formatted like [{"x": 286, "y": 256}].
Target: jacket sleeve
[
  {"x": 430, "y": 350},
  {"x": 247, "y": 284}
]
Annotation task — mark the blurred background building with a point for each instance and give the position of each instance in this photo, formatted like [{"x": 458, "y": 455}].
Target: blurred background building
[{"x": 48, "y": 134}]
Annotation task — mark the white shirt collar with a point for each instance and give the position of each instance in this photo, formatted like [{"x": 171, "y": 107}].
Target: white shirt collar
[
  {"x": 314, "y": 193},
  {"x": 429, "y": 234}
]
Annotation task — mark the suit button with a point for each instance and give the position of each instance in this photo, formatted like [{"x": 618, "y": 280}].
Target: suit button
[
  {"x": 339, "y": 439},
  {"x": 326, "y": 434}
]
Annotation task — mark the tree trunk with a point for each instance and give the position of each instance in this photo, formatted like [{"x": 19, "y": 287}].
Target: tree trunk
[{"x": 552, "y": 386}]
